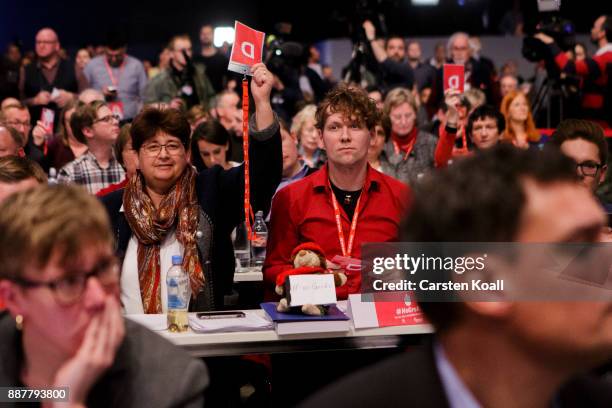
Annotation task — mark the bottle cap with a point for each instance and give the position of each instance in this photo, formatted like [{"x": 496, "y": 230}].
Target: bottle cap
[{"x": 177, "y": 259}]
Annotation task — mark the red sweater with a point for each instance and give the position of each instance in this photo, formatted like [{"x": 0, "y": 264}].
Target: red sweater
[
  {"x": 303, "y": 212},
  {"x": 595, "y": 70}
]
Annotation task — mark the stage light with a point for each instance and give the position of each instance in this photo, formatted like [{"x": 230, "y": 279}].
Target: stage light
[
  {"x": 425, "y": 2},
  {"x": 223, "y": 35},
  {"x": 549, "y": 5}
]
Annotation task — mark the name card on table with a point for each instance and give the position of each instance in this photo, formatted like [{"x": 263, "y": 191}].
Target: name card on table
[
  {"x": 384, "y": 309},
  {"x": 316, "y": 289}
]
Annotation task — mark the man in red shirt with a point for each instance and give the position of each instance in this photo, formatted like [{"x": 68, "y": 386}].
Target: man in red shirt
[{"x": 345, "y": 203}]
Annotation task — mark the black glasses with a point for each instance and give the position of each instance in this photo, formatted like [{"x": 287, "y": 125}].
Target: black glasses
[
  {"x": 588, "y": 168},
  {"x": 69, "y": 290},
  {"x": 154, "y": 149},
  {"x": 108, "y": 119}
]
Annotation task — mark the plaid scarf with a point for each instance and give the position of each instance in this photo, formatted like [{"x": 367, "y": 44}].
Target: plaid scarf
[{"x": 151, "y": 225}]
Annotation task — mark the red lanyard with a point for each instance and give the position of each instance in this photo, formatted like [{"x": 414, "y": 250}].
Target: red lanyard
[
  {"x": 114, "y": 81},
  {"x": 346, "y": 251},
  {"x": 408, "y": 149},
  {"x": 248, "y": 211}
]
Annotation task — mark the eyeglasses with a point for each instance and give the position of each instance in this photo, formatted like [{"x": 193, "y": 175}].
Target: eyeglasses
[
  {"x": 108, "y": 119},
  {"x": 399, "y": 116},
  {"x": 69, "y": 290},
  {"x": 588, "y": 168},
  {"x": 43, "y": 42},
  {"x": 154, "y": 149},
  {"x": 16, "y": 124}
]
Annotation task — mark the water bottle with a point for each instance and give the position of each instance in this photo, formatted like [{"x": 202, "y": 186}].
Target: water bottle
[
  {"x": 52, "y": 179},
  {"x": 179, "y": 293},
  {"x": 261, "y": 239},
  {"x": 242, "y": 249}
]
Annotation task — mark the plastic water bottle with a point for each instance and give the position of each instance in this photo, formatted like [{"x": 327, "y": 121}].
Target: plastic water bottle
[
  {"x": 261, "y": 239},
  {"x": 242, "y": 249},
  {"x": 179, "y": 293},
  {"x": 52, "y": 179}
]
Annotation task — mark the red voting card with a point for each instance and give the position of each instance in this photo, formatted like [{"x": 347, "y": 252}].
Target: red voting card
[
  {"x": 47, "y": 117},
  {"x": 117, "y": 108},
  {"x": 247, "y": 50},
  {"x": 454, "y": 77}
]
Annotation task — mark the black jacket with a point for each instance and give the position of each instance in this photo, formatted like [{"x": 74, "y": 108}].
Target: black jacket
[
  {"x": 221, "y": 197},
  {"x": 412, "y": 380}
]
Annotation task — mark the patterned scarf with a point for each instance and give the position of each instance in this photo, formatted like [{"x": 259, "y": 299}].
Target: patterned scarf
[{"x": 151, "y": 225}]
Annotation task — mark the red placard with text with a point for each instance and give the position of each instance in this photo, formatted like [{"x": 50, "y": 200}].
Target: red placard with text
[
  {"x": 247, "y": 49},
  {"x": 395, "y": 309},
  {"x": 454, "y": 77}
]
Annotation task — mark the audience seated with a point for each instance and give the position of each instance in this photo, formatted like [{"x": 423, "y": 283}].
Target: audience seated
[
  {"x": 303, "y": 128},
  {"x": 64, "y": 146},
  {"x": 492, "y": 354},
  {"x": 97, "y": 127},
  {"x": 485, "y": 127},
  {"x": 369, "y": 204},
  {"x": 168, "y": 208},
  {"x": 409, "y": 152},
  {"x": 210, "y": 145}
]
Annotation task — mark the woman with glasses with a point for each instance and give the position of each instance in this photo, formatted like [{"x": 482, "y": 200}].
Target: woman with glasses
[
  {"x": 409, "y": 152},
  {"x": 64, "y": 330},
  {"x": 168, "y": 209},
  {"x": 96, "y": 126}
]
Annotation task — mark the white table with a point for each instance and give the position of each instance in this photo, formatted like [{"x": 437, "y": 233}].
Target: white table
[{"x": 267, "y": 341}]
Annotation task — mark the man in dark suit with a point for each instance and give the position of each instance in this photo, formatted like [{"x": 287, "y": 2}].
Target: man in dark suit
[{"x": 497, "y": 354}]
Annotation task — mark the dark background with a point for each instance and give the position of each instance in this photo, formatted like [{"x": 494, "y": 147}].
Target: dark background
[{"x": 149, "y": 24}]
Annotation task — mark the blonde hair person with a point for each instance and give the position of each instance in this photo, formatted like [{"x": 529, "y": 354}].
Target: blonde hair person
[
  {"x": 475, "y": 97},
  {"x": 409, "y": 152},
  {"x": 303, "y": 128},
  {"x": 520, "y": 127}
]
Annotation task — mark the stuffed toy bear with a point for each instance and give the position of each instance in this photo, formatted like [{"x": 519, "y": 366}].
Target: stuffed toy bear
[{"x": 307, "y": 258}]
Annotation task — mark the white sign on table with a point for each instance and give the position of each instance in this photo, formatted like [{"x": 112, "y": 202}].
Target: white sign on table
[{"x": 316, "y": 289}]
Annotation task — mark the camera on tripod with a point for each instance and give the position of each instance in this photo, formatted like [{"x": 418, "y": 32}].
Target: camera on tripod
[{"x": 560, "y": 29}]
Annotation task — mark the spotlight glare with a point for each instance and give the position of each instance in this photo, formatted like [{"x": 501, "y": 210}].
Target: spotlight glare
[{"x": 223, "y": 35}]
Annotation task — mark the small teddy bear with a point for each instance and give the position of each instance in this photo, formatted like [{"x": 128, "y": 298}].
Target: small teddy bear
[{"x": 308, "y": 258}]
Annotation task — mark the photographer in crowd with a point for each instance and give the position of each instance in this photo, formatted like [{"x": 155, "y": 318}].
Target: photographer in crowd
[
  {"x": 183, "y": 84},
  {"x": 596, "y": 97},
  {"x": 394, "y": 71}
]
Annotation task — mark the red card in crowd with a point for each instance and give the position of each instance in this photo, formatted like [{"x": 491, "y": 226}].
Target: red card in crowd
[
  {"x": 116, "y": 108},
  {"x": 454, "y": 77},
  {"x": 247, "y": 49},
  {"x": 47, "y": 117}
]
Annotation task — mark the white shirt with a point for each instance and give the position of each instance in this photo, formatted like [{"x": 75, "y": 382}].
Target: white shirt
[
  {"x": 130, "y": 285},
  {"x": 458, "y": 395}
]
